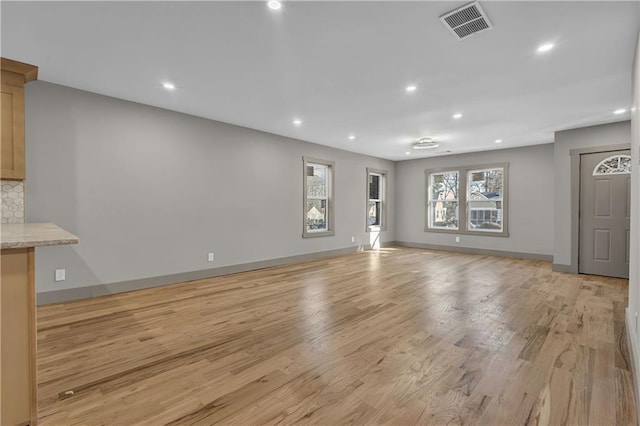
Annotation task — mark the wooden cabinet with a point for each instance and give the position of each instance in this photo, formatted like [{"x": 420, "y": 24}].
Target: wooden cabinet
[
  {"x": 18, "y": 335},
  {"x": 18, "y": 400},
  {"x": 14, "y": 76}
]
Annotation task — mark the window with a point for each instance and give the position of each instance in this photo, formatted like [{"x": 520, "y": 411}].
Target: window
[
  {"x": 443, "y": 200},
  {"x": 484, "y": 198},
  {"x": 468, "y": 200},
  {"x": 318, "y": 198},
  {"x": 617, "y": 164},
  {"x": 376, "y": 200}
]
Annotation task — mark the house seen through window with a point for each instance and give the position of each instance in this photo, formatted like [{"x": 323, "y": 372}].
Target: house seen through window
[{"x": 318, "y": 198}]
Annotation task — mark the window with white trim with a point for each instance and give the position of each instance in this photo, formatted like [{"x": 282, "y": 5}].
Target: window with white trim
[
  {"x": 467, "y": 200},
  {"x": 376, "y": 200},
  {"x": 443, "y": 200},
  {"x": 317, "y": 198},
  {"x": 616, "y": 164}
]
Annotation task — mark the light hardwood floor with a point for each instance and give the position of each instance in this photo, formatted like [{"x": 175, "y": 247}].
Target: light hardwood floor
[{"x": 398, "y": 336}]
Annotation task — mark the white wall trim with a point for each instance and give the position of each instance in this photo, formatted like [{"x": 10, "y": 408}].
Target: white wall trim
[{"x": 635, "y": 356}]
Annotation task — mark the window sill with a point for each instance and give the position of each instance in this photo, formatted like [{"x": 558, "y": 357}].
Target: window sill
[
  {"x": 503, "y": 234},
  {"x": 307, "y": 234}
]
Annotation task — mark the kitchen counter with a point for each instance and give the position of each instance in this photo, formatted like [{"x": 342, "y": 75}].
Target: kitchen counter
[{"x": 24, "y": 235}]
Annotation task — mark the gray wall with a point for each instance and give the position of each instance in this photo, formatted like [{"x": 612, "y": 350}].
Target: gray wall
[
  {"x": 530, "y": 200},
  {"x": 150, "y": 192},
  {"x": 565, "y": 141}
]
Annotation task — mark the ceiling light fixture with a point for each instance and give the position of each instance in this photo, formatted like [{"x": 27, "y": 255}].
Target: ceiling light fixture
[
  {"x": 297, "y": 122},
  {"x": 545, "y": 47},
  {"x": 457, "y": 115},
  {"x": 274, "y": 4},
  {"x": 426, "y": 143},
  {"x": 498, "y": 140},
  {"x": 351, "y": 137},
  {"x": 619, "y": 111},
  {"x": 408, "y": 153},
  {"x": 168, "y": 86},
  {"x": 411, "y": 88}
]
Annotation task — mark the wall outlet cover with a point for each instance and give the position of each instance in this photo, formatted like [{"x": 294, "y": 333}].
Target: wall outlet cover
[
  {"x": 60, "y": 274},
  {"x": 210, "y": 257}
]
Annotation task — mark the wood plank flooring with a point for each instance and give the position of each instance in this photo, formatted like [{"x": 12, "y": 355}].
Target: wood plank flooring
[{"x": 396, "y": 336}]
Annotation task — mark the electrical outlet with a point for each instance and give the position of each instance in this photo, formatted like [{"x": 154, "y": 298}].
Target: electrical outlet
[
  {"x": 61, "y": 274},
  {"x": 353, "y": 239},
  {"x": 210, "y": 257},
  {"x": 457, "y": 239}
]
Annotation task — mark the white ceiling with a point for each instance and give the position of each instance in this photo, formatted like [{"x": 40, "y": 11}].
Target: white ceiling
[{"x": 342, "y": 67}]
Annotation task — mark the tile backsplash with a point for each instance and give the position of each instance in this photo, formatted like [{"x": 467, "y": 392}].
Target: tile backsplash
[{"x": 12, "y": 201}]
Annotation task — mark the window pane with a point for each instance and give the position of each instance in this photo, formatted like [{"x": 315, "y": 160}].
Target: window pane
[
  {"x": 485, "y": 215},
  {"x": 316, "y": 214},
  {"x": 611, "y": 162},
  {"x": 485, "y": 195},
  {"x": 374, "y": 187},
  {"x": 444, "y": 214},
  {"x": 373, "y": 213},
  {"x": 625, "y": 164},
  {"x": 444, "y": 186},
  {"x": 486, "y": 184},
  {"x": 317, "y": 183}
]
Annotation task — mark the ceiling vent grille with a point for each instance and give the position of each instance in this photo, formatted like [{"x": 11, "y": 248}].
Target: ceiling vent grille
[{"x": 466, "y": 20}]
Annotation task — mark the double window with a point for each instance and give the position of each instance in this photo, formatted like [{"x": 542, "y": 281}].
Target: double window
[
  {"x": 376, "y": 200},
  {"x": 318, "y": 198},
  {"x": 471, "y": 200}
]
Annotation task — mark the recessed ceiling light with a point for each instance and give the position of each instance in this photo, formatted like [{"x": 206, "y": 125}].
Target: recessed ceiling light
[
  {"x": 408, "y": 152},
  {"x": 411, "y": 88},
  {"x": 168, "y": 86},
  {"x": 274, "y": 4},
  {"x": 545, "y": 47},
  {"x": 351, "y": 137},
  {"x": 297, "y": 122},
  {"x": 620, "y": 111},
  {"x": 457, "y": 115},
  {"x": 498, "y": 140}
]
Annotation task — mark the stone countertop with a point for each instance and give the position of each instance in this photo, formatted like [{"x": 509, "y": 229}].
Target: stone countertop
[{"x": 23, "y": 235}]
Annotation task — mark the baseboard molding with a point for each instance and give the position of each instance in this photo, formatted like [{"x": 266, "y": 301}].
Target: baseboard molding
[
  {"x": 67, "y": 295},
  {"x": 634, "y": 354},
  {"x": 471, "y": 250},
  {"x": 559, "y": 267}
]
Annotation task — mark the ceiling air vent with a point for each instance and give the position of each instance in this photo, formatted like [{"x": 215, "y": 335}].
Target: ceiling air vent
[{"x": 467, "y": 20}]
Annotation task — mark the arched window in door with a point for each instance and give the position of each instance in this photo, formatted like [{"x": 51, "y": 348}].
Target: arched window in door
[{"x": 616, "y": 164}]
